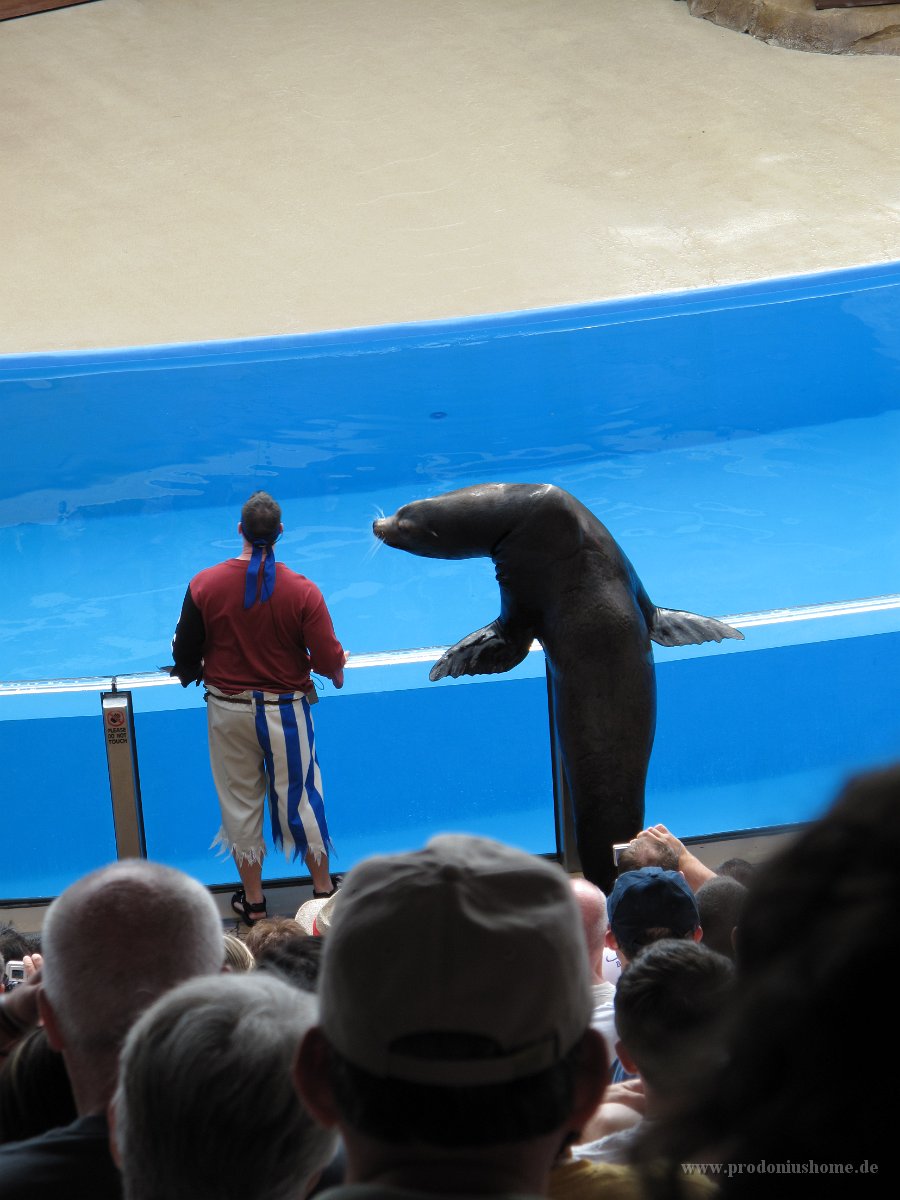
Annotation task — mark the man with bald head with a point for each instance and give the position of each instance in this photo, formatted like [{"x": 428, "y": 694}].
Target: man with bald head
[
  {"x": 112, "y": 942},
  {"x": 592, "y": 908}
]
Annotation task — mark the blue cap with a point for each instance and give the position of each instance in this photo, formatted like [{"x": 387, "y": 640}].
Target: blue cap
[{"x": 651, "y": 899}]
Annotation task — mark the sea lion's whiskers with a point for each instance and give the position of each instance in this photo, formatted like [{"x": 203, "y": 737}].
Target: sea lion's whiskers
[{"x": 374, "y": 546}]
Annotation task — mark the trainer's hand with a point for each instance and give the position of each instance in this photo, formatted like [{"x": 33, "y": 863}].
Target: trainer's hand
[{"x": 338, "y": 677}]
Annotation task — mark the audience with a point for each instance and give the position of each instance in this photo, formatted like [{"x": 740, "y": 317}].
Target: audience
[
  {"x": 19, "y": 1007},
  {"x": 296, "y": 961},
  {"x": 314, "y": 916},
  {"x": 35, "y": 1092},
  {"x": 646, "y": 851},
  {"x": 670, "y": 1004},
  {"x": 660, "y": 848},
  {"x": 270, "y": 931},
  {"x": 592, "y": 910},
  {"x": 622, "y": 1103},
  {"x": 457, "y": 1045},
  {"x": 237, "y": 956},
  {"x": 648, "y": 905},
  {"x": 112, "y": 942},
  {"x": 737, "y": 868},
  {"x": 720, "y": 902},
  {"x": 16, "y": 946},
  {"x": 818, "y": 928},
  {"x": 460, "y": 1059},
  {"x": 205, "y": 1107}
]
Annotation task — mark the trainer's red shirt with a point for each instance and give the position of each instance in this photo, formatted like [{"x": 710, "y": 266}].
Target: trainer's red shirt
[{"x": 270, "y": 647}]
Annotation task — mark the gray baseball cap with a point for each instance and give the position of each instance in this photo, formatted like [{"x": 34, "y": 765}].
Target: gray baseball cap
[{"x": 466, "y": 936}]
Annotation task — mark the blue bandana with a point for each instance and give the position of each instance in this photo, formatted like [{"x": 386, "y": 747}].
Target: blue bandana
[{"x": 259, "y": 566}]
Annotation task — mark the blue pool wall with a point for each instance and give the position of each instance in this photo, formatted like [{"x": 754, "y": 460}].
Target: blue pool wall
[{"x": 750, "y": 735}]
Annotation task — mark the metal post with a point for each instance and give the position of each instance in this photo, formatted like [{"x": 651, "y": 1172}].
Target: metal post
[
  {"x": 124, "y": 781},
  {"x": 566, "y": 844}
]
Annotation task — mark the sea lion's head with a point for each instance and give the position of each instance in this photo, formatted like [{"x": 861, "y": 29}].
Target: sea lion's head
[{"x": 468, "y": 523}]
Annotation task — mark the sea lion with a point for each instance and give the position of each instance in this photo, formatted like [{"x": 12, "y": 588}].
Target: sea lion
[{"x": 565, "y": 581}]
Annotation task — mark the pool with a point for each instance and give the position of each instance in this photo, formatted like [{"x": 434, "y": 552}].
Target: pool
[{"x": 742, "y": 444}]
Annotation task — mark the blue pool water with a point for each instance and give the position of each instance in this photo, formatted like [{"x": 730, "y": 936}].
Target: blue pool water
[{"x": 742, "y": 445}]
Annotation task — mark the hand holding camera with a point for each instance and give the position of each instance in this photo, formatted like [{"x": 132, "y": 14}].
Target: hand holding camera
[
  {"x": 14, "y": 974},
  {"x": 19, "y": 1003}
]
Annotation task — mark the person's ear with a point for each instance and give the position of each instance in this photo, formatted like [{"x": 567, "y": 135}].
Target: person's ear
[
  {"x": 591, "y": 1076},
  {"x": 610, "y": 940},
  {"x": 240, "y": 529},
  {"x": 312, "y": 1078},
  {"x": 626, "y": 1060},
  {"x": 49, "y": 1021},
  {"x": 697, "y": 935}
]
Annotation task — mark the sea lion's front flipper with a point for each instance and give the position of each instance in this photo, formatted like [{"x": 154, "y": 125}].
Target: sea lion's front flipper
[
  {"x": 487, "y": 651},
  {"x": 671, "y": 627}
]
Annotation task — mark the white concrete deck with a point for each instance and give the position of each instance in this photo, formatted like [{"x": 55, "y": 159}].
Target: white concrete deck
[{"x": 183, "y": 170}]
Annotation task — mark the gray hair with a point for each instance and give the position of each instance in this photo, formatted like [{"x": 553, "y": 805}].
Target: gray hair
[
  {"x": 115, "y": 940},
  {"x": 206, "y": 1107}
]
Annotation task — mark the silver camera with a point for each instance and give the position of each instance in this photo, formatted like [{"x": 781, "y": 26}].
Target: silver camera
[{"x": 14, "y": 974}]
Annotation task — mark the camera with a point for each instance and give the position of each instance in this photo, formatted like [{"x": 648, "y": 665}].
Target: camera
[{"x": 14, "y": 974}]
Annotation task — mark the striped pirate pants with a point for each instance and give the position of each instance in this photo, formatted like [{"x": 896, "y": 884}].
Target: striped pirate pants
[{"x": 263, "y": 744}]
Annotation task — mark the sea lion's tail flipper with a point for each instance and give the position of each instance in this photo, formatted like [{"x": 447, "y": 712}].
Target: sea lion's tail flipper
[
  {"x": 487, "y": 651},
  {"x": 674, "y": 628}
]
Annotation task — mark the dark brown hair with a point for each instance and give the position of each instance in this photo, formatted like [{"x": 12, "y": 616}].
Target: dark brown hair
[{"x": 261, "y": 518}]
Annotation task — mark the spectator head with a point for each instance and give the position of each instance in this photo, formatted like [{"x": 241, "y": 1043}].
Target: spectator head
[
  {"x": 269, "y": 931},
  {"x": 261, "y": 519},
  {"x": 648, "y": 905},
  {"x": 314, "y": 916},
  {"x": 737, "y": 868},
  {"x": 237, "y": 956},
  {"x": 720, "y": 902},
  {"x": 670, "y": 1007},
  {"x": 113, "y": 941},
  {"x": 643, "y": 851},
  {"x": 205, "y": 1107},
  {"x": 14, "y": 946},
  {"x": 297, "y": 961},
  {"x": 477, "y": 1034},
  {"x": 592, "y": 908}
]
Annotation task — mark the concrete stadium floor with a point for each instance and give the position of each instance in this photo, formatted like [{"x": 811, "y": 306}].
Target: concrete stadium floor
[{"x": 188, "y": 170}]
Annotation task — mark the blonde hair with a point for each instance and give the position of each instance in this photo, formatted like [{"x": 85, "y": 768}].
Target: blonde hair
[{"x": 237, "y": 956}]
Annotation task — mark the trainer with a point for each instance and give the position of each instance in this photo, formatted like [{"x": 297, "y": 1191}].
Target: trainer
[{"x": 252, "y": 630}]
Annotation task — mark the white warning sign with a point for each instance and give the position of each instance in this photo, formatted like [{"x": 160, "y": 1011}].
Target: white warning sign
[{"x": 116, "y": 726}]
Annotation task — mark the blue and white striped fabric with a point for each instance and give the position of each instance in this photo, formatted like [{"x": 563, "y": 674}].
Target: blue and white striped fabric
[
  {"x": 286, "y": 736},
  {"x": 266, "y": 747}
]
